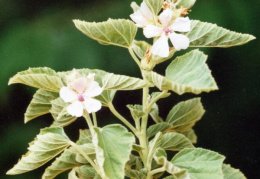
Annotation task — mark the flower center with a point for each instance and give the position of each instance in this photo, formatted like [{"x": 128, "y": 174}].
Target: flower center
[
  {"x": 167, "y": 31},
  {"x": 81, "y": 98}
]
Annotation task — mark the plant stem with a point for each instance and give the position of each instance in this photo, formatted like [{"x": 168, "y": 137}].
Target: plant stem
[
  {"x": 150, "y": 106},
  {"x": 94, "y": 116},
  {"x": 88, "y": 120},
  {"x": 122, "y": 119},
  {"x": 75, "y": 146},
  {"x": 134, "y": 57},
  {"x": 157, "y": 170},
  {"x": 143, "y": 136}
]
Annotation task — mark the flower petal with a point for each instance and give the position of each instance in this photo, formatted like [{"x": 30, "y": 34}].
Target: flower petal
[
  {"x": 75, "y": 109},
  {"x": 182, "y": 24},
  {"x": 93, "y": 90},
  {"x": 79, "y": 84},
  {"x": 143, "y": 16},
  {"x": 165, "y": 17},
  {"x": 139, "y": 19},
  {"x": 152, "y": 31},
  {"x": 161, "y": 47},
  {"x": 67, "y": 94},
  {"x": 92, "y": 105},
  {"x": 147, "y": 13},
  {"x": 179, "y": 41}
]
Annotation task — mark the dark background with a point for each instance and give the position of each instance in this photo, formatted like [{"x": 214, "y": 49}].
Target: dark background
[{"x": 41, "y": 33}]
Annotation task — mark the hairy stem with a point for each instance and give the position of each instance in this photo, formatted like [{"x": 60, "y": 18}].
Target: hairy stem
[
  {"x": 92, "y": 163},
  {"x": 94, "y": 116},
  {"x": 134, "y": 57},
  {"x": 122, "y": 119},
  {"x": 157, "y": 98}
]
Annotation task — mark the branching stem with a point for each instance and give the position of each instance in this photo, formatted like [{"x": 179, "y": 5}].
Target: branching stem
[
  {"x": 92, "y": 163},
  {"x": 122, "y": 119}
]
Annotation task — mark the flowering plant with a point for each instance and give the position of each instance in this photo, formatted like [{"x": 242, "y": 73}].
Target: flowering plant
[{"x": 131, "y": 149}]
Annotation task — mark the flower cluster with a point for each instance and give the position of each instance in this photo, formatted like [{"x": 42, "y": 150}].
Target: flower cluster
[
  {"x": 163, "y": 27},
  {"x": 80, "y": 93}
]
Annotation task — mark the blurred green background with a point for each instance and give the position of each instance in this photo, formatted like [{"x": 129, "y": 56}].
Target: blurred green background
[{"x": 41, "y": 33}]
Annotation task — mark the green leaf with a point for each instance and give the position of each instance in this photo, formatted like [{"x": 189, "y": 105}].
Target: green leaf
[
  {"x": 205, "y": 34},
  {"x": 43, "y": 78},
  {"x": 66, "y": 161},
  {"x": 136, "y": 111},
  {"x": 121, "y": 82},
  {"x": 154, "y": 113},
  {"x": 191, "y": 135},
  {"x": 186, "y": 74},
  {"x": 119, "y": 32},
  {"x": 73, "y": 175},
  {"x": 70, "y": 158},
  {"x": 86, "y": 172},
  {"x": 60, "y": 114},
  {"x": 185, "y": 3},
  {"x": 160, "y": 157},
  {"x": 113, "y": 145},
  {"x": 47, "y": 145},
  {"x": 185, "y": 114},
  {"x": 154, "y": 5},
  {"x": 110, "y": 81},
  {"x": 40, "y": 104},
  {"x": 106, "y": 97},
  {"x": 200, "y": 163},
  {"x": 174, "y": 141},
  {"x": 189, "y": 73},
  {"x": 232, "y": 173},
  {"x": 159, "y": 127}
]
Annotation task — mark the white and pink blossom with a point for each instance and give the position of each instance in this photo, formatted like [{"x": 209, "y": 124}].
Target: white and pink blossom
[
  {"x": 167, "y": 30},
  {"x": 80, "y": 94}
]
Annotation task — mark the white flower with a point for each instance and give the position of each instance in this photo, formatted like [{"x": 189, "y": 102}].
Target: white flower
[
  {"x": 79, "y": 93},
  {"x": 143, "y": 16},
  {"x": 166, "y": 31}
]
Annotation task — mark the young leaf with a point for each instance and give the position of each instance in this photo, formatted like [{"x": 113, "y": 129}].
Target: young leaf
[
  {"x": 154, "y": 5},
  {"x": 160, "y": 157},
  {"x": 189, "y": 73},
  {"x": 86, "y": 172},
  {"x": 232, "y": 173},
  {"x": 119, "y": 32},
  {"x": 113, "y": 145},
  {"x": 159, "y": 127},
  {"x": 200, "y": 163},
  {"x": 136, "y": 111},
  {"x": 205, "y": 34},
  {"x": 73, "y": 175},
  {"x": 174, "y": 141},
  {"x": 40, "y": 104},
  {"x": 185, "y": 114},
  {"x": 185, "y": 3},
  {"x": 43, "y": 78},
  {"x": 106, "y": 97},
  {"x": 60, "y": 114},
  {"x": 47, "y": 145},
  {"x": 191, "y": 135}
]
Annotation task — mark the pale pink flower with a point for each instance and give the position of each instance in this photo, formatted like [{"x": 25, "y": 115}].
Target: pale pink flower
[
  {"x": 80, "y": 93},
  {"x": 166, "y": 30}
]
